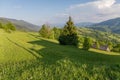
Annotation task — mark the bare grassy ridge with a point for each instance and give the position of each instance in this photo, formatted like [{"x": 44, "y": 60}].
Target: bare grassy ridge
[{"x": 26, "y": 56}]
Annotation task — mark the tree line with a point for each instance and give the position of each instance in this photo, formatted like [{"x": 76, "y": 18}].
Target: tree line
[{"x": 68, "y": 35}]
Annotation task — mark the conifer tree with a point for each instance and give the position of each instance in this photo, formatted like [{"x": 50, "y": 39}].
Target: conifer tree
[{"x": 69, "y": 34}]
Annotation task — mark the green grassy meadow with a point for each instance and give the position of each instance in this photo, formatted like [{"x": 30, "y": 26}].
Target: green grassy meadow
[{"x": 26, "y": 56}]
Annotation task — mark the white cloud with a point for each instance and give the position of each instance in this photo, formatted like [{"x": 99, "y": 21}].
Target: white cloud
[
  {"x": 100, "y": 4},
  {"x": 104, "y": 3},
  {"x": 95, "y": 11}
]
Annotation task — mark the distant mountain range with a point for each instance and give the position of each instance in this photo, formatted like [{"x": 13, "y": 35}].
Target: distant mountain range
[
  {"x": 112, "y": 25},
  {"x": 84, "y": 24},
  {"x": 21, "y": 24},
  {"x": 99, "y": 35}
]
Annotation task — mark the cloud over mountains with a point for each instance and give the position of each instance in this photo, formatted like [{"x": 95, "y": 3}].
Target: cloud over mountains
[{"x": 95, "y": 11}]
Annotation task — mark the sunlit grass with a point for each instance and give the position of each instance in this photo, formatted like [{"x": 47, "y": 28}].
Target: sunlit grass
[
  {"x": 26, "y": 56},
  {"x": 104, "y": 52}
]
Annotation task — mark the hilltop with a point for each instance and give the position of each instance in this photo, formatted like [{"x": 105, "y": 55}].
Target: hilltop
[
  {"x": 21, "y": 24},
  {"x": 111, "y": 25}
]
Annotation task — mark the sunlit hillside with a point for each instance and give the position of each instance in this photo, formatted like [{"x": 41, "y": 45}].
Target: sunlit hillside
[{"x": 28, "y": 56}]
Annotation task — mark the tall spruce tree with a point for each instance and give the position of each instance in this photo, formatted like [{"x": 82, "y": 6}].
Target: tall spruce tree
[{"x": 69, "y": 34}]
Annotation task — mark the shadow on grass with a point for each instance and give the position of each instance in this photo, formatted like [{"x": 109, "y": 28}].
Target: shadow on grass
[
  {"x": 23, "y": 47},
  {"x": 54, "y": 52},
  {"x": 49, "y": 54}
]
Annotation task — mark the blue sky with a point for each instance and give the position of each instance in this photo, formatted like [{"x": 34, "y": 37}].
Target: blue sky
[{"x": 57, "y": 11}]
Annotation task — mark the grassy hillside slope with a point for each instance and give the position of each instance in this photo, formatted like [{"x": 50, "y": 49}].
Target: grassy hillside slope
[
  {"x": 95, "y": 34},
  {"x": 26, "y": 56}
]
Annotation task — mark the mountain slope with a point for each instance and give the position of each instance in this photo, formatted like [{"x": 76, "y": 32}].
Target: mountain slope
[
  {"x": 84, "y": 24},
  {"x": 20, "y": 24},
  {"x": 112, "y": 25},
  {"x": 96, "y": 34}
]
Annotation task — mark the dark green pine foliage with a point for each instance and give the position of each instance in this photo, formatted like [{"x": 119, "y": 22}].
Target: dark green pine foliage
[
  {"x": 87, "y": 43},
  {"x": 69, "y": 34}
]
